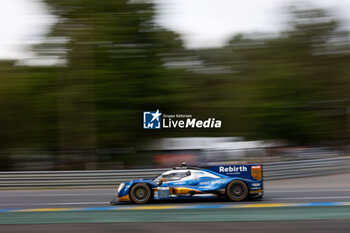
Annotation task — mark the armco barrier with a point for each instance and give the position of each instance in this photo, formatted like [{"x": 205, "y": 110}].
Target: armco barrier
[
  {"x": 111, "y": 178},
  {"x": 305, "y": 168}
]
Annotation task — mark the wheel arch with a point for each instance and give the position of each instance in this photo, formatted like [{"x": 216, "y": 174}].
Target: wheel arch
[{"x": 243, "y": 180}]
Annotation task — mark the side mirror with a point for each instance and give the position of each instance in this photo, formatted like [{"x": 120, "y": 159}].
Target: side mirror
[{"x": 161, "y": 180}]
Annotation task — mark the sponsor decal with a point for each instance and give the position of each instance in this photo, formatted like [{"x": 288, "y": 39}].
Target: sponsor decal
[
  {"x": 256, "y": 172},
  {"x": 213, "y": 182},
  {"x": 157, "y": 120},
  {"x": 233, "y": 169}
]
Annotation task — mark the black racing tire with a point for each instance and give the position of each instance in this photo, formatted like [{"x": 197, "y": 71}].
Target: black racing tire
[
  {"x": 140, "y": 193},
  {"x": 237, "y": 190}
]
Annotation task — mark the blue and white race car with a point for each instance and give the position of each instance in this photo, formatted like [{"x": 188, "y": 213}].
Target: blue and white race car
[{"x": 236, "y": 182}]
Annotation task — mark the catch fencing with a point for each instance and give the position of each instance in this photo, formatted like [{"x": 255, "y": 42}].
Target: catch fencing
[{"x": 111, "y": 178}]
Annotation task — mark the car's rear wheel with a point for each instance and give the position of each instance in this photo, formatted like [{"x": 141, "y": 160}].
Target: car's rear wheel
[
  {"x": 237, "y": 190},
  {"x": 140, "y": 193}
]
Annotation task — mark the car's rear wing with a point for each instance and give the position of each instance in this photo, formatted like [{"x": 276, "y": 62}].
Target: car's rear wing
[{"x": 247, "y": 171}]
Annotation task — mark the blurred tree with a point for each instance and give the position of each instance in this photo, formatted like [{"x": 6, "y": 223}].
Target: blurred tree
[
  {"x": 112, "y": 62},
  {"x": 28, "y": 116},
  {"x": 115, "y": 68},
  {"x": 294, "y": 86}
]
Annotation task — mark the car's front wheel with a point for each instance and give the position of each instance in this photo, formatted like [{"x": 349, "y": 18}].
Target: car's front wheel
[
  {"x": 140, "y": 193},
  {"x": 237, "y": 190}
]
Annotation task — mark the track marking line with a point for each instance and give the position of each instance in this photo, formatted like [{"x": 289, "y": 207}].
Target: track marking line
[
  {"x": 183, "y": 207},
  {"x": 57, "y": 195},
  {"x": 263, "y": 205},
  {"x": 306, "y": 190},
  {"x": 156, "y": 207},
  {"x": 60, "y": 203},
  {"x": 312, "y": 198},
  {"x": 42, "y": 210}
]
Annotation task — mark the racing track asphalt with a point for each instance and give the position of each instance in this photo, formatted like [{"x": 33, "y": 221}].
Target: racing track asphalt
[
  {"x": 335, "y": 188},
  {"x": 310, "y": 226}
]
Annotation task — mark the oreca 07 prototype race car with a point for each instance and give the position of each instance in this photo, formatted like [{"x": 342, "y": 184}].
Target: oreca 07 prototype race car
[{"x": 235, "y": 182}]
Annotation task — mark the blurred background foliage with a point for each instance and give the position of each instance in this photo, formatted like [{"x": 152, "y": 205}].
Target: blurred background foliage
[{"x": 113, "y": 62}]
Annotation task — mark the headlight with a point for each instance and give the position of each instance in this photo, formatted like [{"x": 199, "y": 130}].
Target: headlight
[{"x": 121, "y": 186}]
